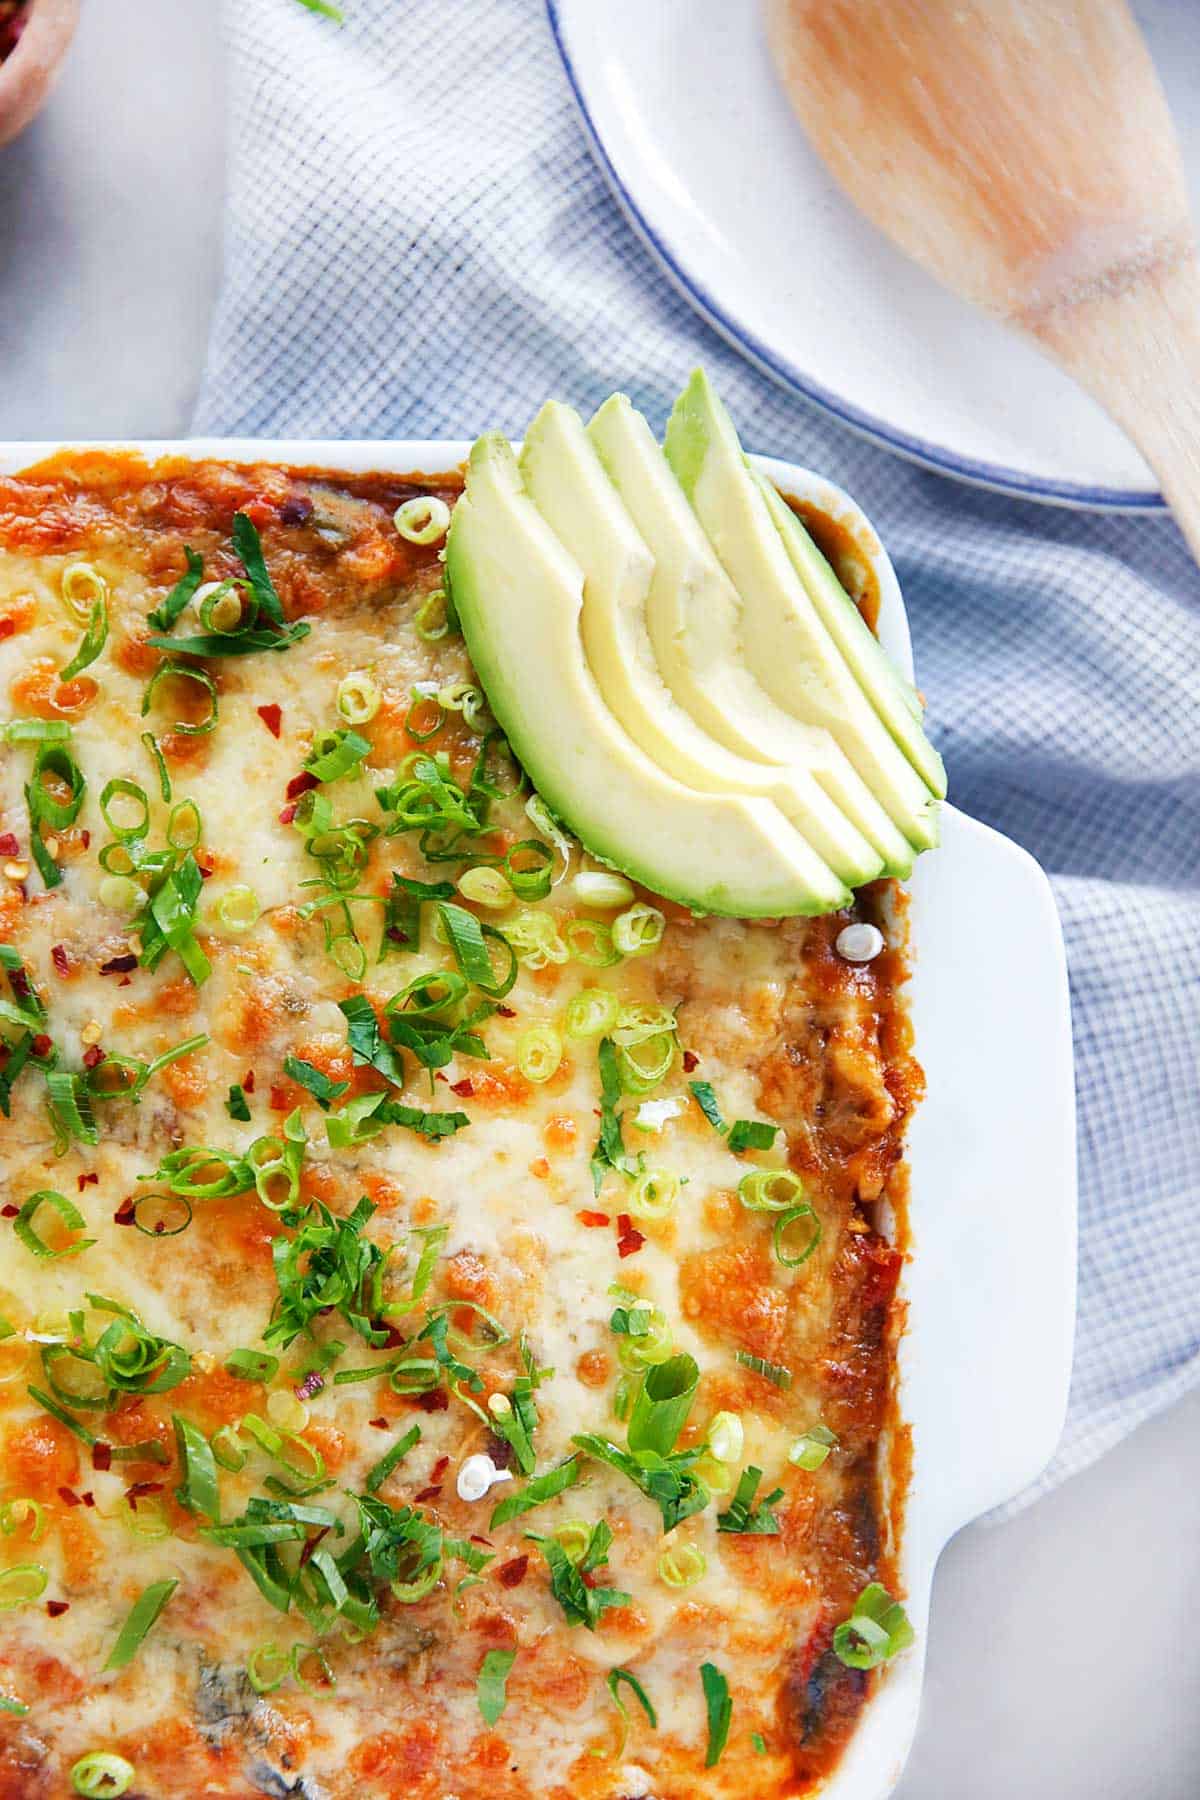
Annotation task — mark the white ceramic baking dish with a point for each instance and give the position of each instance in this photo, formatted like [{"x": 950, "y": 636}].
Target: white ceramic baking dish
[{"x": 990, "y": 1286}]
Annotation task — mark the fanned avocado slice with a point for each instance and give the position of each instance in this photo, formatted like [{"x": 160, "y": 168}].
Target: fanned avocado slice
[
  {"x": 786, "y": 642},
  {"x": 693, "y": 616},
  {"x": 518, "y": 595},
  {"x": 567, "y": 483}
]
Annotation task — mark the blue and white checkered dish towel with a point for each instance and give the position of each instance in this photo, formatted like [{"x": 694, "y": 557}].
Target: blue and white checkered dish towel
[{"x": 418, "y": 244}]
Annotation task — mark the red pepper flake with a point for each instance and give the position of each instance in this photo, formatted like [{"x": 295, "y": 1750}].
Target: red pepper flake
[
  {"x": 89, "y": 1499},
  {"x": 394, "y": 1339},
  {"x": 630, "y": 1243},
  {"x": 593, "y": 1218},
  {"x": 429, "y": 1493},
  {"x": 89, "y": 1180},
  {"x": 56, "y": 1608},
  {"x": 205, "y": 865},
  {"x": 436, "y": 1400},
  {"x": 68, "y": 1497},
  {"x": 248, "y": 1081},
  {"x": 8, "y": 626},
  {"x": 85, "y": 838},
  {"x": 287, "y": 815},
  {"x": 690, "y": 1061},
  {"x": 60, "y": 959},
  {"x": 464, "y": 1088},
  {"x": 119, "y": 965},
  {"x": 301, "y": 784},
  {"x": 93, "y": 1055},
  {"x": 8, "y": 843},
  {"x": 311, "y": 1544},
  {"x": 439, "y": 1468},
  {"x": 271, "y": 716},
  {"x": 624, "y": 1224},
  {"x": 280, "y": 1100},
  {"x": 506, "y": 1012},
  {"x": 379, "y": 1424},
  {"x": 41, "y": 1045},
  {"x": 124, "y": 1213},
  {"x": 137, "y": 1490},
  {"x": 9, "y": 1211},
  {"x": 101, "y": 1455},
  {"x": 512, "y": 1574}
]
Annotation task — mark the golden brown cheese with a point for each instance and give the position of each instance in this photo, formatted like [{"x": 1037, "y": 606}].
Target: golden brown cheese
[{"x": 781, "y": 1027}]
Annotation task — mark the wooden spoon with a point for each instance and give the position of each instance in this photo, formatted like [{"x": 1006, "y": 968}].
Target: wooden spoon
[{"x": 1022, "y": 152}]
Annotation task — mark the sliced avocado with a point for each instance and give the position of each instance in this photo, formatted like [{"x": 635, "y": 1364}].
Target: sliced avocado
[
  {"x": 785, "y": 641},
  {"x": 566, "y": 482},
  {"x": 694, "y": 618},
  {"x": 518, "y": 595}
]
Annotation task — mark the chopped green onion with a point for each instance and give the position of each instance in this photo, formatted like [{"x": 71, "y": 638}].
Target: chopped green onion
[
  {"x": 876, "y": 1630},
  {"x": 120, "y": 894},
  {"x": 432, "y": 619},
  {"x": 539, "y": 815},
  {"x": 423, "y": 519},
  {"x": 706, "y": 1100},
  {"x": 35, "y": 731},
  {"x": 683, "y": 1566},
  {"x": 719, "y": 1708},
  {"x": 164, "y": 780},
  {"x": 771, "y": 1190},
  {"x": 490, "y": 1689},
  {"x": 662, "y": 1404},
  {"x": 601, "y": 888},
  {"x": 529, "y": 867},
  {"x": 236, "y": 910},
  {"x": 613, "y": 1682},
  {"x": 463, "y": 697},
  {"x": 795, "y": 1215},
  {"x": 47, "y": 807},
  {"x": 101, "y": 1775},
  {"x": 252, "y": 1365},
  {"x": 535, "y": 940},
  {"x": 17, "y": 1709},
  {"x": 486, "y": 887},
  {"x": 261, "y": 1665},
  {"x": 82, "y": 588},
  {"x": 539, "y": 1052},
  {"x": 143, "y": 1615},
  {"x": 198, "y": 1489},
  {"x": 21, "y": 1585},
  {"x": 228, "y": 1448},
  {"x": 639, "y": 930},
  {"x": 225, "y": 606},
  {"x": 70, "y": 1108},
  {"x": 67, "y": 1211},
  {"x": 810, "y": 1451},
  {"x": 237, "y": 1105},
  {"x": 177, "y": 601},
  {"x": 751, "y": 1134},
  {"x": 391, "y": 1459},
  {"x": 778, "y": 1374},
  {"x": 16, "y": 1513},
  {"x": 744, "y": 1516},
  {"x": 536, "y": 1492},
  {"x": 653, "y": 1194},
  {"x": 468, "y": 940},
  {"x": 94, "y": 638},
  {"x": 131, "y": 829},
  {"x": 336, "y": 753},
  {"x": 170, "y": 669},
  {"x": 646, "y": 1063},
  {"x": 184, "y": 825},
  {"x": 590, "y": 941},
  {"x": 358, "y": 697},
  {"x": 726, "y": 1436},
  {"x": 646, "y": 1336},
  {"x": 592, "y": 1012}
]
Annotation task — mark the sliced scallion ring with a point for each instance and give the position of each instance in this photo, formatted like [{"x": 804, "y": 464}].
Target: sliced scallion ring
[
  {"x": 358, "y": 697},
  {"x": 590, "y": 941},
  {"x": 268, "y": 1667},
  {"x": 683, "y": 1566},
  {"x": 237, "y": 910},
  {"x": 432, "y": 620},
  {"x": 726, "y": 1437},
  {"x": 422, "y": 519},
  {"x": 67, "y": 1211},
  {"x": 653, "y": 1194},
  {"x": 486, "y": 887},
  {"x": 601, "y": 887},
  {"x": 15, "y": 1515},
  {"x": 101, "y": 1775},
  {"x": 638, "y": 930},
  {"x": 592, "y": 1012},
  {"x": 811, "y": 1450},
  {"x": 171, "y": 669},
  {"x": 535, "y": 939},
  {"x": 804, "y": 1239},
  {"x": 539, "y": 1052},
  {"x": 771, "y": 1190},
  {"x": 21, "y": 1585},
  {"x": 120, "y": 894},
  {"x": 82, "y": 587},
  {"x": 529, "y": 866},
  {"x": 184, "y": 825}
]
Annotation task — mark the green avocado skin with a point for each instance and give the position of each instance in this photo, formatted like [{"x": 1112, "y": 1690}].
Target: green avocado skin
[{"x": 515, "y": 712}]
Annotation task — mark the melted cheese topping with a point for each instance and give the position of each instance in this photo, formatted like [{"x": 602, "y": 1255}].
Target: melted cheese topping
[{"x": 780, "y": 1027}]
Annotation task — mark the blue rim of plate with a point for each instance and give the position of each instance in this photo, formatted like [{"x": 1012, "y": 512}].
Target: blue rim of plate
[{"x": 916, "y": 449}]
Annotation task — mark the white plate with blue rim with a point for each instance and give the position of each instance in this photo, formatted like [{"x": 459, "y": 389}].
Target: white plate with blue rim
[{"x": 689, "y": 124}]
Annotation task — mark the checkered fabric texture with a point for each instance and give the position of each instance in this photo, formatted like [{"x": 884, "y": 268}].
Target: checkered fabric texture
[{"x": 419, "y": 244}]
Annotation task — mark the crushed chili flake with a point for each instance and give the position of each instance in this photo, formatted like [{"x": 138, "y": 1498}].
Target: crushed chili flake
[
  {"x": 512, "y": 1574},
  {"x": 301, "y": 784},
  {"x": 429, "y": 1493},
  {"x": 464, "y": 1088},
  {"x": 137, "y": 1490},
  {"x": 60, "y": 959},
  {"x": 379, "y": 1424},
  {"x": 439, "y": 1468},
  {"x": 56, "y": 1608},
  {"x": 119, "y": 965},
  {"x": 89, "y": 1499},
  {"x": 624, "y": 1223},
  {"x": 690, "y": 1061},
  {"x": 280, "y": 1101},
  {"x": 101, "y": 1455},
  {"x": 69, "y": 1497},
  {"x": 506, "y": 1012},
  {"x": 9, "y": 1211},
  {"x": 287, "y": 815},
  {"x": 93, "y": 1055},
  {"x": 124, "y": 1213},
  {"x": 630, "y": 1244},
  {"x": 271, "y": 717},
  {"x": 91, "y": 1179},
  {"x": 8, "y": 625},
  {"x": 42, "y": 1045},
  {"x": 436, "y": 1400},
  {"x": 593, "y": 1218},
  {"x": 248, "y": 1081},
  {"x": 9, "y": 845}
]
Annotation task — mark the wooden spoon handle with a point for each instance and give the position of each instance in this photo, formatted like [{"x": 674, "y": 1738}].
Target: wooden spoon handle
[{"x": 1134, "y": 342}]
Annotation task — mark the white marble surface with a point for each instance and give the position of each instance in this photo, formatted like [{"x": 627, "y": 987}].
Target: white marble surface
[{"x": 1063, "y": 1659}]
